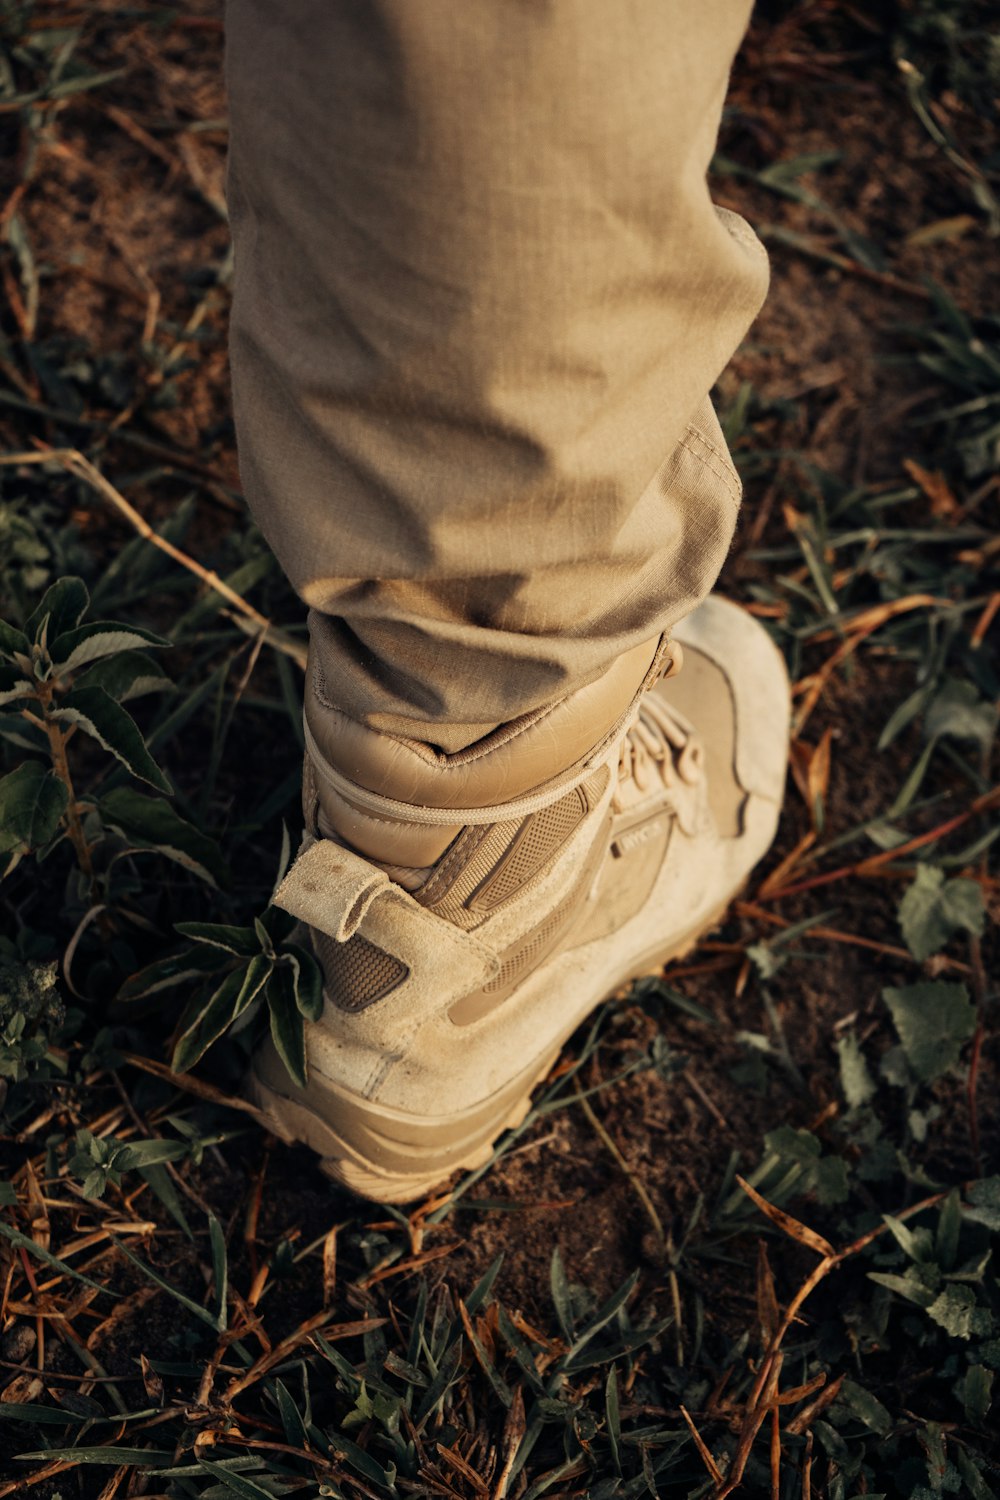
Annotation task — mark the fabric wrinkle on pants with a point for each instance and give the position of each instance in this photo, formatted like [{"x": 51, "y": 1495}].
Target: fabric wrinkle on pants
[{"x": 481, "y": 294}]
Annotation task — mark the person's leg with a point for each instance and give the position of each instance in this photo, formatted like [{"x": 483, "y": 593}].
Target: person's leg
[{"x": 481, "y": 294}]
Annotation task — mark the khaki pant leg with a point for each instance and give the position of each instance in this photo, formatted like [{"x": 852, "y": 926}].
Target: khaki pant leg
[{"x": 481, "y": 294}]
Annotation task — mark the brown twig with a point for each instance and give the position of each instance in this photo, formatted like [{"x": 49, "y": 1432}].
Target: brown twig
[
  {"x": 702, "y": 1447},
  {"x": 14, "y": 1486},
  {"x": 855, "y": 630},
  {"x": 709, "y": 1103},
  {"x": 57, "y": 739},
  {"x": 985, "y": 621},
  {"x": 875, "y": 864},
  {"x": 774, "y": 234},
  {"x": 80, "y": 467},
  {"x": 764, "y": 1392},
  {"x": 196, "y": 1086}
]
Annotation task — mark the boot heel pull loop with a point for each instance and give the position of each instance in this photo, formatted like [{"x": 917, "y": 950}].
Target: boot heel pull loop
[{"x": 330, "y": 888}]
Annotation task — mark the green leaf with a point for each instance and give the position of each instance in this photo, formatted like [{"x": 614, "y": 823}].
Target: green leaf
[
  {"x": 63, "y": 606},
  {"x": 237, "y": 1484},
  {"x": 603, "y": 1316},
  {"x": 621, "y": 1347},
  {"x": 780, "y": 173},
  {"x": 793, "y": 1145},
  {"x": 612, "y": 1417},
  {"x": 959, "y": 713},
  {"x": 977, "y": 1393},
  {"x": 167, "y": 972},
  {"x": 162, "y": 1185},
  {"x": 22, "y": 1242},
  {"x": 831, "y": 1180},
  {"x": 977, "y": 1486},
  {"x": 447, "y": 1374},
  {"x": 916, "y": 1243},
  {"x": 194, "y": 1308},
  {"x": 956, "y": 1312},
  {"x": 78, "y": 83},
  {"x": 152, "y": 823},
  {"x": 194, "y": 1471},
  {"x": 286, "y": 1023},
  {"x": 209, "y": 1019},
  {"x": 13, "y": 642},
  {"x": 933, "y": 908},
  {"x": 291, "y": 1417},
  {"x": 866, "y": 1407},
  {"x": 855, "y": 1079},
  {"x": 307, "y": 980},
  {"x": 562, "y": 1299},
  {"x": 14, "y": 685},
  {"x": 933, "y": 1020},
  {"x": 984, "y": 1198},
  {"x": 142, "y": 1458},
  {"x": 147, "y": 1153},
  {"x": 342, "y": 1447},
  {"x": 76, "y": 648},
  {"x": 909, "y": 1286},
  {"x": 32, "y": 800},
  {"x": 130, "y": 675},
  {"x": 264, "y": 939},
  {"x": 483, "y": 1286},
  {"x": 220, "y": 1270},
  {"x": 239, "y": 940},
  {"x": 42, "y": 1416},
  {"x": 97, "y": 714}
]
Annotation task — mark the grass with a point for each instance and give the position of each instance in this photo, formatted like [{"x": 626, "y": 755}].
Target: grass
[{"x": 745, "y": 1239}]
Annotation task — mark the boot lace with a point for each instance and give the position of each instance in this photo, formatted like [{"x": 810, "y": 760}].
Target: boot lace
[{"x": 661, "y": 747}]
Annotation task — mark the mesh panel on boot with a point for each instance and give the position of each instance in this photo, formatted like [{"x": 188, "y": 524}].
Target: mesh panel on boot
[
  {"x": 532, "y": 949},
  {"x": 467, "y": 887},
  {"x": 536, "y": 943},
  {"x": 540, "y": 836},
  {"x": 474, "y": 854},
  {"x": 357, "y": 972}
]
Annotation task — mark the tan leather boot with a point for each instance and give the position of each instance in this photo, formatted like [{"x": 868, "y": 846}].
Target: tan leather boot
[{"x": 470, "y": 909}]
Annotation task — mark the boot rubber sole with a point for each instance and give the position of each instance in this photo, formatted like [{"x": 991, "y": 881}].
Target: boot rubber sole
[{"x": 390, "y": 1156}]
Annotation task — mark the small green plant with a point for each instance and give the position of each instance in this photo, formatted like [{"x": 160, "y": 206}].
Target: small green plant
[
  {"x": 64, "y": 676},
  {"x": 239, "y": 966},
  {"x": 31, "y": 1012},
  {"x": 963, "y": 353}
]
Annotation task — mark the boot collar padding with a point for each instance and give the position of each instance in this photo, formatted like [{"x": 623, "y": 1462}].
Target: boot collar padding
[{"x": 520, "y": 758}]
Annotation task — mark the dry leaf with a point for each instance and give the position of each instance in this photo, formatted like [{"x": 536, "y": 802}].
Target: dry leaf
[
  {"x": 934, "y": 485},
  {"x": 768, "y": 1311},
  {"x": 787, "y": 1224}
]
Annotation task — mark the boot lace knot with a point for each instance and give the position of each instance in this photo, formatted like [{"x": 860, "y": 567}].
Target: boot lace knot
[{"x": 662, "y": 748}]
